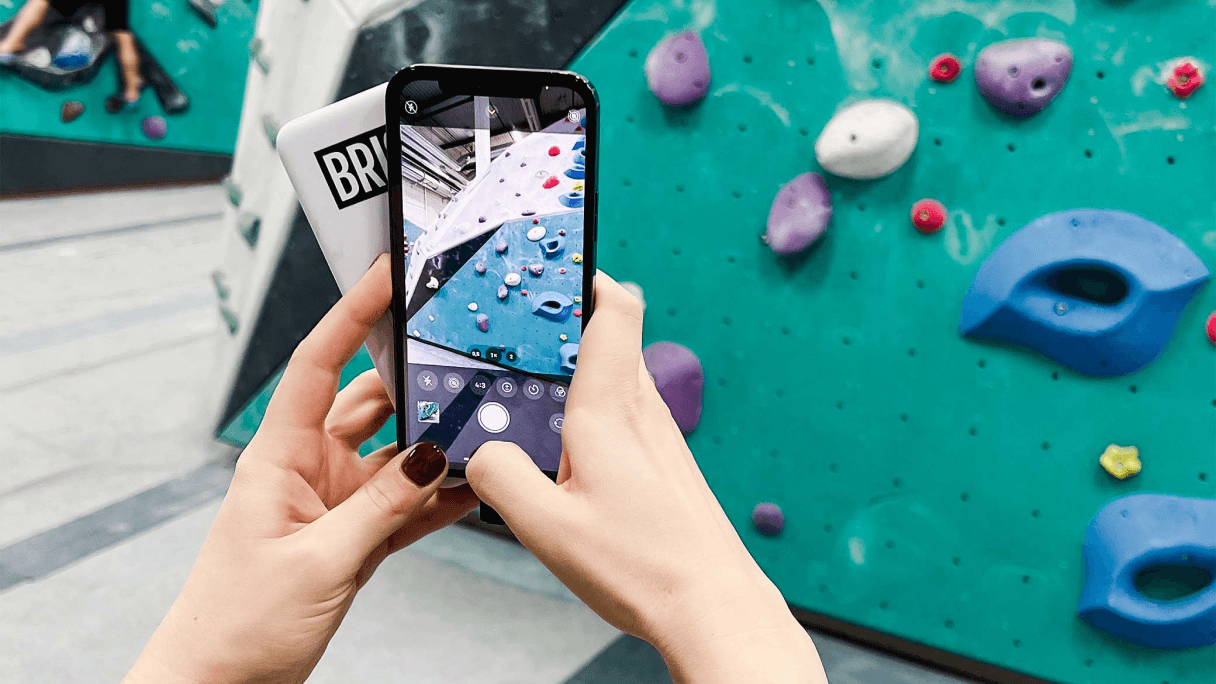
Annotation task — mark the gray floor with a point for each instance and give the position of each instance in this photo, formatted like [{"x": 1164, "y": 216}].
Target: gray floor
[{"x": 106, "y": 331}]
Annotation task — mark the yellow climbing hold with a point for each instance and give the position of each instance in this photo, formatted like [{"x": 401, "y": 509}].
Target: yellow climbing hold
[
  {"x": 578, "y": 299},
  {"x": 562, "y": 337},
  {"x": 577, "y": 258},
  {"x": 1121, "y": 462},
  {"x": 578, "y": 187}
]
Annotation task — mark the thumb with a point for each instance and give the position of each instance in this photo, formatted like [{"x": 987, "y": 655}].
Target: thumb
[
  {"x": 505, "y": 477},
  {"x": 355, "y": 527}
]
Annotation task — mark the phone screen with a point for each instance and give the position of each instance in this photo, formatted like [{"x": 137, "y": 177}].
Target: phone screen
[{"x": 495, "y": 262}]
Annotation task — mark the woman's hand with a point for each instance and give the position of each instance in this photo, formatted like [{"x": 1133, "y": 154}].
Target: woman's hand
[
  {"x": 631, "y": 526},
  {"x": 306, "y": 521}
]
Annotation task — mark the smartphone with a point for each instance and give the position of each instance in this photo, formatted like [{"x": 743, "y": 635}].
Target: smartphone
[{"x": 492, "y": 214}]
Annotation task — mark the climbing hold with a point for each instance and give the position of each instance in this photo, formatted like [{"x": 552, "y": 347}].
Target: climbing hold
[
  {"x": 576, "y": 258},
  {"x": 528, "y": 212},
  {"x": 561, "y": 231},
  {"x": 554, "y": 151},
  {"x": 523, "y": 268},
  {"x": 1139, "y": 532},
  {"x": 578, "y": 312},
  {"x": 869, "y": 139},
  {"x": 481, "y": 219},
  {"x": 501, "y": 246},
  {"x": 1121, "y": 462},
  {"x": 945, "y": 68},
  {"x": 576, "y": 172},
  {"x": 554, "y": 246},
  {"x": 511, "y": 279},
  {"x": 577, "y": 299},
  {"x": 1020, "y": 76},
  {"x": 524, "y": 293},
  {"x": 563, "y": 337},
  {"x": 1184, "y": 80},
  {"x": 680, "y": 380},
  {"x": 536, "y": 269},
  {"x": 154, "y": 127},
  {"x": 677, "y": 69},
  {"x": 554, "y": 306},
  {"x": 580, "y": 159},
  {"x": 483, "y": 322},
  {"x": 561, "y": 271},
  {"x": 578, "y": 185},
  {"x": 502, "y": 291},
  {"x": 573, "y": 200},
  {"x": 635, "y": 290},
  {"x": 768, "y": 518},
  {"x": 536, "y": 233},
  {"x": 1210, "y": 327},
  {"x": 535, "y": 221},
  {"x": 928, "y": 215},
  {"x": 799, "y": 215},
  {"x": 433, "y": 283},
  {"x": 480, "y": 268},
  {"x": 550, "y": 182},
  {"x": 472, "y": 306},
  {"x": 579, "y": 144},
  {"x": 70, "y": 111},
  {"x": 568, "y": 353},
  {"x": 1099, "y": 291}
]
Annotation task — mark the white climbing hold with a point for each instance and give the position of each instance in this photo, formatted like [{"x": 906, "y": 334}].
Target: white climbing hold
[
  {"x": 472, "y": 306},
  {"x": 536, "y": 233},
  {"x": 869, "y": 139},
  {"x": 433, "y": 283},
  {"x": 512, "y": 279},
  {"x": 635, "y": 290}
]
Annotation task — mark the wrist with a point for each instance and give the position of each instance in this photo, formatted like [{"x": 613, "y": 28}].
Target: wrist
[{"x": 747, "y": 633}]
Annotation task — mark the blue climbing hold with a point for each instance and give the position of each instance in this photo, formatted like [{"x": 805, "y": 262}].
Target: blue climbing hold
[
  {"x": 580, "y": 144},
  {"x": 554, "y": 306},
  {"x": 569, "y": 356},
  {"x": 580, "y": 159},
  {"x": 577, "y": 172},
  {"x": 554, "y": 246},
  {"x": 573, "y": 200},
  {"x": 1142, "y": 531},
  {"x": 1099, "y": 291}
]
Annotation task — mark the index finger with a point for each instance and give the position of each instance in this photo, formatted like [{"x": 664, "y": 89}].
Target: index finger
[
  {"x": 611, "y": 347},
  {"x": 306, "y": 391}
]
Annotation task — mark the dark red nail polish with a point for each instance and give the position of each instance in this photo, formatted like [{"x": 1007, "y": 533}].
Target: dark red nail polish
[{"x": 424, "y": 464}]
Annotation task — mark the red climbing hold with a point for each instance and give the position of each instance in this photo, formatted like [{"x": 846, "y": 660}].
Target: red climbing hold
[
  {"x": 535, "y": 221},
  {"x": 578, "y": 312},
  {"x": 1184, "y": 80},
  {"x": 945, "y": 68},
  {"x": 928, "y": 215},
  {"x": 1211, "y": 327},
  {"x": 561, "y": 232},
  {"x": 554, "y": 151},
  {"x": 562, "y": 271},
  {"x": 524, "y": 292},
  {"x": 523, "y": 268},
  {"x": 551, "y": 181}
]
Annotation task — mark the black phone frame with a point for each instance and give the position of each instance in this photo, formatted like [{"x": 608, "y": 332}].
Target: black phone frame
[{"x": 493, "y": 82}]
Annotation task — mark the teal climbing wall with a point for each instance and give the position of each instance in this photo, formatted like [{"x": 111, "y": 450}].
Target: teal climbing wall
[
  {"x": 935, "y": 489},
  {"x": 208, "y": 64}
]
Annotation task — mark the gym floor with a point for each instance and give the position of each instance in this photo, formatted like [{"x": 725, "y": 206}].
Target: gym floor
[{"x": 110, "y": 480}]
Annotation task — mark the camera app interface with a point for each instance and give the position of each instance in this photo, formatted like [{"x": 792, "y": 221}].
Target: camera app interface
[{"x": 492, "y": 200}]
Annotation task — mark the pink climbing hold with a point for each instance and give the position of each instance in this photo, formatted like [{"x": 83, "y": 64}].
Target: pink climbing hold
[
  {"x": 799, "y": 215},
  {"x": 677, "y": 69},
  {"x": 551, "y": 181},
  {"x": 154, "y": 127},
  {"x": 554, "y": 151},
  {"x": 945, "y": 68},
  {"x": 680, "y": 380},
  {"x": 483, "y": 322},
  {"x": 1184, "y": 80},
  {"x": 1211, "y": 327},
  {"x": 928, "y": 215},
  {"x": 578, "y": 312}
]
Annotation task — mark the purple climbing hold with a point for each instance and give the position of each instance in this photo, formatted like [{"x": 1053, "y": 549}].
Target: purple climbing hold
[
  {"x": 800, "y": 213},
  {"x": 536, "y": 269},
  {"x": 480, "y": 268},
  {"x": 768, "y": 518},
  {"x": 1019, "y": 77},
  {"x": 483, "y": 322},
  {"x": 154, "y": 127},
  {"x": 70, "y": 111},
  {"x": 677, "y": 69},
  {"x": 502, "y": 292},
  {"x": 528, "y": 212},
  {"x": 501, "y": 247},
  {"x": 481, "y": 219},
  {"x": 680, "y": 380}
]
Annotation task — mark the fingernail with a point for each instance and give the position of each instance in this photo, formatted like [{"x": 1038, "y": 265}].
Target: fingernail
[{"x": 424, "y": 464}]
